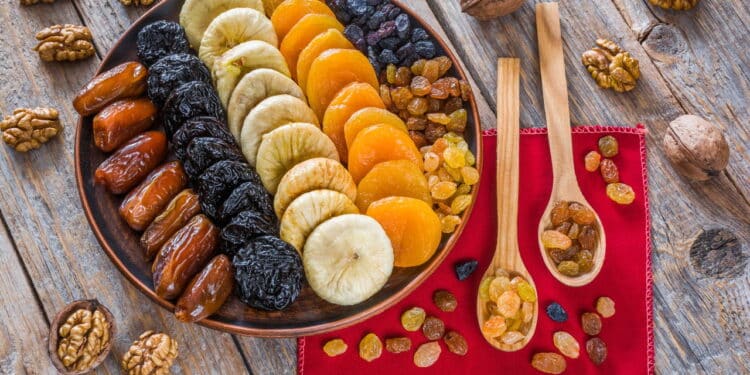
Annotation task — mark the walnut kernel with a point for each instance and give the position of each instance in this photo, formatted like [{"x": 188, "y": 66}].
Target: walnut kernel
[
  {"x": 137, "y": 2},
  {"x": 27, "y": 129},
  {"x": 82, "y": 339},
  {"x": 64, "y": 43},
  {"x": 488, "y": 9},
  {"x": 675, "y": 4},
  {"x": 611, "y": 67},
  {"x": 152, "y": 353},
  {"x": 696, "y": 147}
]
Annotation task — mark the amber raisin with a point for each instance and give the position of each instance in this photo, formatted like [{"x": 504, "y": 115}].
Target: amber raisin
[
  {"x": 608, "y": 146},
  {"x": 494, "y": 326},
  {"x": 439, "y": 118},
  {"x": 465, "y": 90},
  {"x": 403, "y": 76},
  {"x": 460, "y": 203},
  {"x": 445, "y": 300},
  {"x": 620, "y": 193},
  {"x": 592, "y": 160},
  {"x": 552, "y": 239},
  {"x": 574, "y": 231},
  {"x": 456, "y": 343},
  {"x": 591, "y": 323},
  {"x": 440, "y": 89},
  {"x": 484, "y": 288},
  {"x": 454, "y": 88},
  {"x": 597, "y": 350},
  {"x": 418, "y": 67},
  {"x": 417, "y": 106},
  {"x": 609, "y": 171},
  {"x": 558, "y": 255},
  {"x": 420, "y": 86},
  {"x": 401, "y": 97},
  {"x": 335, "y": 347},
  {"x": 559, "y": 213},
  {"x": 568, "y": 268},
  {"x": 444, "y": 64},
  {"x": 453, "y": 104},
  {"x": 587, "y": 238},
  {"x": 431, "y": 70},
  {"x": 413, "y": 318},
  {"x": 434, "y": 105},
  {"x": 605, "y": 306},
  {"x": 370, "y": 348},
  {"x": 566, "y": 344},
  {"x": 433, "y": 328},
  {"x": 508, "y": 303},
  {"x": 398, "y": 344},
  {"x": 585, "y": 261},
  {"x": 443, "y": 190},
  {"x": 564, "y": 228},
  {"x": 549, "y": 363},
  {"x": 581, "y": 214},
  {"x": 416, "y": 123},
  {"x": 385, "y": 95},
  {"x": 458, "y": 121},
  {"x": 427, "y": 354}
]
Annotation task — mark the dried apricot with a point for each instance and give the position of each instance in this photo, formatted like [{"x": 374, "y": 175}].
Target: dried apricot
[
  {"x": 289, "y": 12},
  {"x": 367, "y": 117},
  {"x": 350, "y": 99},
  {"x": 332, "y": 71},
  {"x": 322, "y": 42},
  {"x": 300, "y": 35},
  {"x": 412, "y": 226},
  {"x": 399, "y": 178},
  {"x": 379, "y": 143}
]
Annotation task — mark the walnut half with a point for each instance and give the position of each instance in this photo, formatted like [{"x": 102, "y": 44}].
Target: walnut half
[
  {"x": 137, "y": 2},
  {"x": 27, "y": 129},
  {"x": 675, "y": 4},
  {"x": 152, "y": 353},
  {"x": 64, "y": 43},
  {"x": 611, "y": 67}
]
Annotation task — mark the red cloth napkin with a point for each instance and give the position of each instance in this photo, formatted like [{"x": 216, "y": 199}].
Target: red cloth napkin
[{"x": 625, "y": 276}]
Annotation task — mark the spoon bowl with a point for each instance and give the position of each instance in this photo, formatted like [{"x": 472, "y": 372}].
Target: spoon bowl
[{"x": 565, "y": 185}]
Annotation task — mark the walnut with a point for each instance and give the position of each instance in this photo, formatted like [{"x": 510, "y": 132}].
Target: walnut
[
  {"x": 675, "y": 4},
  {"x": 611, "y": 67},
  {"x": 484, "y": 10},
  {"x": 152, "y": 353},
  {"x": 64, "y": 43},
  {"x": 27, "y": 129},
  {"x": 137, "y": 2},
  {"x": 80, "y": 337},
  {"x": 32, "y": 2},
  {"x": 696, "y": 147}
]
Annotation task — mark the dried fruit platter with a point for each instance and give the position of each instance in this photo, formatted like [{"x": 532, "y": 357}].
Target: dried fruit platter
[{"x": 316, "y": 311}]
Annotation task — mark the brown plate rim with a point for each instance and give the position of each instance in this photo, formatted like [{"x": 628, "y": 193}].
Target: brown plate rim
[{"x": 314, "y": 328}]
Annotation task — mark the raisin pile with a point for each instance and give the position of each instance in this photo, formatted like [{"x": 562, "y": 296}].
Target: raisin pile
[
  {"x": 509, "y": 302},
  {"x": 618, "y": 192},
  {"x": 571, "y": 239},
  {"x": 383, "y": 32}
]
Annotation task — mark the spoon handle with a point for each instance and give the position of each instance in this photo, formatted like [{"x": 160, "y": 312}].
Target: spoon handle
[
  {"x": 555, "y": 93},
  {"x": 508, "y": 103}
]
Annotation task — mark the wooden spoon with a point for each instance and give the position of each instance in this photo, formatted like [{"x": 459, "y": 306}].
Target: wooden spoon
[
  {"x": 555, "y": 91},
  {"x": 507, "y": 254}
]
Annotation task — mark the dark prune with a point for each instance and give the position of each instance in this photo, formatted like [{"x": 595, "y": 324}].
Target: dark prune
[
  {"x": 465, "y": 269},
  {"x": 160, "y": 39},
  {"x": 268, "y": 272},
  {"x": 243, "y": 228},
  {"x": 248, "y": 196},
  {"x": 171, "y": 72},
  {"x": 403, "y": 26},
  {"x": 199, "y": 127},
  {"x": 218, "y": 181},
  {"x": 425, "y": 48},
  {"x": 192, "y": 99},
  {"x": 556, "y": 312},
  {"x": 387, "y": 57},
  {"x": 419, "y": 34},
  {"x": 203, "y": 152}
]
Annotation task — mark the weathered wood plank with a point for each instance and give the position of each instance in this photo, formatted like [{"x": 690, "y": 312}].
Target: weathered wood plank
[
  {"x": 270, "y": 356},
  {"x": 43, "y": 212},
  {"x": 689, "y": 336}
]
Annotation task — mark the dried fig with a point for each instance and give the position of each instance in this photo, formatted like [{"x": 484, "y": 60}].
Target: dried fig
[{"x": 696, "y": 147}]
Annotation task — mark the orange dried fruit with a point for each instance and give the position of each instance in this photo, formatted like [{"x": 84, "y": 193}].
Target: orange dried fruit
[
  {"x": 289, "y": 12},
  {"x": 367, "y": 117},
  {"x": 350, "y": 99},
  {"x": 302, "y": 33},
  {"x": 412, "y": 226},
  {"x": 379, "y": 143},
  {"x": 322, "y": 42},
  {"x": 332, "y": 71},
  {"x": 399, "y": 178}
]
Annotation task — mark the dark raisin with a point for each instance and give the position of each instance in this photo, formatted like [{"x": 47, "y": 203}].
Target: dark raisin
[
  {"x": 376, "y": 19},
  {"x": 373, "y": 38},
  {"x": 171, "y": 72},
  {"x": 268, "y": 272},
  {"x": 393, "y": 12},
  {"x": 218, "y": 181},
  {"x": 465, "y": 268},
  {"x": 160, "y": 39},
  {"x": 192, "y": 99},
  {"x": 354, "y": 32},
  {"x": 403, "y": 27},
  {"x": 203, "y": 152},
  {"x": 243, "y": 228},
  {"x": 556, "y": 312},
  {"x": 419, "y": 34},
  {"x": 199, "y": 127},
  {"x": 247, "y": 196},
  {"x": 405, "y": 51},
  {"x": 391, "y": 43},
  {"x": 425, "y": 48},
  {"x": 387, "y": 57}
]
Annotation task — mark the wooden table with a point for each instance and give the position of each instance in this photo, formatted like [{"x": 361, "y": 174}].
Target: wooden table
[{"x": 691, "y": 62}]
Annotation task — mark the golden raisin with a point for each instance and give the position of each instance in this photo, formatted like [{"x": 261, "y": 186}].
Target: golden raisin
[
  {"x": 420, "y": 86},
  {"x": 552, "y": 239},
  {"x": 605, "y": 306},
  {"x": 592, "y": 160},
  {"x": 620, "y": 193},
  {"x": 413, "y": 318},
  {"x": 370, "y": 348},
  {"x": 335, "y": 347}
]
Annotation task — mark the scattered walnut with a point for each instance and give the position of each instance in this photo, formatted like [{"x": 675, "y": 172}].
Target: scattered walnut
[
  {"x": 675, "y": 4},
  {"x": 82, "y": 338},
  {"x": 64, "y": 43},
  {"x": 696, "y": 147},
  {"x": 152, "y": 353},
  {"x": 488, "y": 9},
  {"x": 27, "y": 129},
  {"x": 137, "y": 2},
  {"x": 32, "y": 2},
  {"x": 611, "y": 67}
]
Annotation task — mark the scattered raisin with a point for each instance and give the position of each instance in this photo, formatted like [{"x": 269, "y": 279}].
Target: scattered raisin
[
  {"x": 427, "y": 354},
  {"x": 465, "y": 268},
  {"x": 620, "y": 193},
  {"x": 557, "y": 313},
  {"x": 597, "y": 350},
  {"x": 605, "y": 306},
  {"x": 456, "y": 343},
  {"x": 608, "y": 146},
  {"x": 566, "y": 344},
  {"x": 398, "y": 344},
  {"x": 549, "y": 363},
  {"x": 591, "y": 323},
  {"x": 370, "y": 348},
  {"x": 413, "y": 318},
  {"x": 609, "y": 171},
  {"x": 592, "y": 160},
  {"x": 433, "y": 328},
  {"x": 335, "y": 347},
  {"x": 444, "y": 300}
]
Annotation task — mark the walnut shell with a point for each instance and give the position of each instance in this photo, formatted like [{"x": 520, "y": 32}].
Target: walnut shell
[
  {"x": 484, "y": 10},
  {"x": 696, "y": 147},
  {"x": 54, "y": 334}
]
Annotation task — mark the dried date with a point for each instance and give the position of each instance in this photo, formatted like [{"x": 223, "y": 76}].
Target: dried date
[
  {"x": 248, "y": 196},
  {"x": 160, "y": 39},
  {"x": 121, "y": 121},
  {"x": 207, "y": 291},
  {"x": 203, "y": 152},
  {"x": 183, "y": 255},
  {"x": 268, "y": 272},
  {"x": 123, "y": 81},
  {"x": 199, "y": 127},
  {"x": 243, "y": 228},
  {"x": 132, "y": 162},
  {"x": 192, "y": 99},
  {"x": 145, "y": 202},
  {"x": 173, "y": 71},
  {"x": 180, "y": 210},
  {"x": 218, "y": 181}
]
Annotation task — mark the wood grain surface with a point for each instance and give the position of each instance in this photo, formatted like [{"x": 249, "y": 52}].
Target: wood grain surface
[{"x": 691, "y": 62}]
